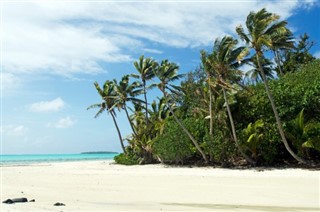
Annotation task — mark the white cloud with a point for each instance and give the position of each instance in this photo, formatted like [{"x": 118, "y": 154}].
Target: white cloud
[
  {"x": 14, "y": 130},
  {"x": 9, "y": 82},
  {"x": 67, "y": 38},
  {"x": 310, "y": 3},
  {"x": 63, "y": 123},
  {"x": 153, "y": 51},
  {"x": 48, "y": 106}
]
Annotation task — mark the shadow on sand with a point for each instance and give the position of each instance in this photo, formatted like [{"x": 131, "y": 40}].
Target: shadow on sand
[{"x": 243, "y": 207}]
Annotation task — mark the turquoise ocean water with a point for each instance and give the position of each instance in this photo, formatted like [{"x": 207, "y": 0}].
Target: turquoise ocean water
[{"x": 40, "y": 158}]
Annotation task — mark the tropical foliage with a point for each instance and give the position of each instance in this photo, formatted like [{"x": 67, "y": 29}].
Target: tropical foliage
[{"x": 219, "y": 114}]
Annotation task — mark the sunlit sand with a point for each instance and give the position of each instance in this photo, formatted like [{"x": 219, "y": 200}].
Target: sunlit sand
[{"x": 104, "y": 186}]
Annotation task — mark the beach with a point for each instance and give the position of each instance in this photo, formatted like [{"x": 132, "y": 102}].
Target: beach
[{"x": 105, "y": 186}]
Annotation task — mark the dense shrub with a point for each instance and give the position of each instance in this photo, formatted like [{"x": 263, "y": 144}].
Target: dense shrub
[
  {"x": 304, "y": 135},
  {"x": 260, "y": 142},
  {"x": 299, "y": 90},
  {"x": 219, "y": 147},
  {"x": 127, "y": 159},
  {"x": 292, "y": 93},
  {"x": 174, "y": 146}
]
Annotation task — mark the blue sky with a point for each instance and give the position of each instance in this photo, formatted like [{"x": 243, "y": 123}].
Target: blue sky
[{"x": 52, "y": 52}]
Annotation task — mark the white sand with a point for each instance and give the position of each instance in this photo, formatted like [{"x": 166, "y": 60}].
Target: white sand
[{"x": 103, "y": 186}]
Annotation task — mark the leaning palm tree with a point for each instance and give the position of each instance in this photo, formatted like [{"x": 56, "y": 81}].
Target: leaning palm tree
[
  {"x": 145, "y": 67},
  {"x": 108, "y": 96},
  {"x": 224, "y": 60},
  {"x": 167, "y": 73},
  {"x": 127, "y": 92},
  {"x": 261, "y": 26}
]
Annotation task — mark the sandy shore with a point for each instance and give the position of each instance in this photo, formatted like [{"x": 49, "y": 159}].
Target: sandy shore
[{"x": 104, "y": 186}]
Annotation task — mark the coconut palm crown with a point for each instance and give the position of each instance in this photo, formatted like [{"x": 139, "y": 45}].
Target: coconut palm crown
[
  {"x": 109, "y": 102},
  {"x": 145, "y": 67},
  {"x": 262, "y": 27},
  {"x": 126, "y": 92}
]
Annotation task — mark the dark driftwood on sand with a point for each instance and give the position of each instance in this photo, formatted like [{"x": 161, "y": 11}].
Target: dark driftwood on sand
[
  {"x": 11, "y": 201},
  {"x": 59, "y": 204}
]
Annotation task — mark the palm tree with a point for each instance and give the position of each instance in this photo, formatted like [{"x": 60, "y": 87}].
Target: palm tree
[
  {"x": 224, "y": 60},
  {"x": 167, "y": 73},
  {"x": 207, "y": 69},
  {"x": 145, "y": 67},
  {"x": 142, "y": 141},
  {"x": 127, "y": 92},
  {"x": 108, "y": 96},
  {"x": 139, "y": 125},
  {"x": 254, "y": 74},
  {"x": 261, "y": 27},
  {"x": 281, "y": 41},
  {"x": 158, "y": 114}
]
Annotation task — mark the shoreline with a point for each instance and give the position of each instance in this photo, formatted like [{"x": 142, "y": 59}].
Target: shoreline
[
  {"x": 49, "y": 163},
  {"x": 102, "y": 185},
  {"x": 172, "y": 166},
  {"x": 26, "y": 159}
]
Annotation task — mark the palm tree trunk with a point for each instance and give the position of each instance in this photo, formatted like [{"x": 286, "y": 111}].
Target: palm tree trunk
[
  {"x": 277, "y": 59},
  {"x": 185, "y": 130},
  {"x": 128, "y": 117},
  {"x": 145, "y": 99},
  {"x": 210, "y": 109},
  {"x": 234, "y": 130},
  {"x": 118, "y": 130},
  {"x": 279, "y": 124}
]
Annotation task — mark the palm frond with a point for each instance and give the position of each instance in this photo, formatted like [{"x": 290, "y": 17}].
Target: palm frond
[
  {"x": 136, "y": 76},
  {"x": 100, "y": 91},
  {"x": 279, "y": 27},
  {"x": 243, "y": 52},
  {"x": 98, "y": 105},
  {"x": 99, "y": 112},
  {"x": 242, "y": 35}
]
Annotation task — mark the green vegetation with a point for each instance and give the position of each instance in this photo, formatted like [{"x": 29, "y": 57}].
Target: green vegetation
[
  {"x": 128, "y": 158},
  {"x": 174, "y": 146},
  {"x": 218, "y": 114}
]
